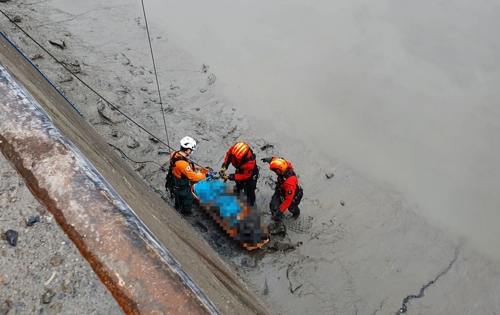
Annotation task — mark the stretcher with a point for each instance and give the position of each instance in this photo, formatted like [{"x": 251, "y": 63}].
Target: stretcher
[{"x": 226, "y": 207}]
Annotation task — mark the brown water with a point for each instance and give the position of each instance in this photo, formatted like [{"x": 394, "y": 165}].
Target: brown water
[{"x": 405, "y": 91}]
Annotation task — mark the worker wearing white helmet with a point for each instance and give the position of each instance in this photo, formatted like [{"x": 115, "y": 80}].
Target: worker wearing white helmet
[{"x": 181, "y": 174}]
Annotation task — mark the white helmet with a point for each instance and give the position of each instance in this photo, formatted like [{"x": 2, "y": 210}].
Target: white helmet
[{"x": 188, "y": 143}]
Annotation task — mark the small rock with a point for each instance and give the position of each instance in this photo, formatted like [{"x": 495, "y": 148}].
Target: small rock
[
  {"x": 144, "y": 88},
  {"x": 17, "y": 19},
  {"x": 57, "y": 42},
  {"x": 47, "y": 296},
  {"x": 234, "y": 109},
  {"x": 203, "y": 90},
  {"x": 114, "y": 133},
  {"x": 153, "y": 139},
  {"x": 342, "y": 202},
  {"x": 204, "y": 68},
  {"x": 32, "y": 220},
  {"x": 56, "y": 260},
  {"x": 11, "y": 237},
  {"x": 329, "y": 175}
]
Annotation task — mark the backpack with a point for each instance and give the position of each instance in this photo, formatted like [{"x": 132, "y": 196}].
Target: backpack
[{"x": 170, "y": 178}]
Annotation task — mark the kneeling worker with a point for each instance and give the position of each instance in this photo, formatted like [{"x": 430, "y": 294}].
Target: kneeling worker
[
  {"x": 288, "y": 192},
  {"x": 184, "y": 172}
]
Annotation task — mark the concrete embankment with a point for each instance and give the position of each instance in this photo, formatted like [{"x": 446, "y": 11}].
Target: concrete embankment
[{"x": 146, "y": 255}]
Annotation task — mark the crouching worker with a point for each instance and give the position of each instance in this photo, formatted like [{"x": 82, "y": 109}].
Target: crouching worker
[
  {"x": 246, "y": 174},
  {"x": 181, "y": 174},
  {"x": 288, "y": 192}
]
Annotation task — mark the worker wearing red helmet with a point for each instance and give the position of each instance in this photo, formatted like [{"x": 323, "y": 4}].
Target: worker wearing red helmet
[
  {"x": 241, "y": 156},
  {"x": 288, "y": 192}
]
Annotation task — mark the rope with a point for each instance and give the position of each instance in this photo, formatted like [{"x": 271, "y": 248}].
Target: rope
[
  {"x": 83, "y": 82},
  {"x": 154, "y": 67}
]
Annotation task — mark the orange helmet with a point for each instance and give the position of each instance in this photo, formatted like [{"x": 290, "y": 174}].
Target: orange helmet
[
  {"x": 278, "y": 166},
  {"x": 240, "y": 150}
]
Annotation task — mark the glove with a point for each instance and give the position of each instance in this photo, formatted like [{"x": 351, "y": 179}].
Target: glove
[
  {"x": 210, "y": 175},
  {"x": 267, "y": 159},
  {"x": 222, "y": 171},
  {"x": 225, "y": 177},
  {"x": 277, "y": 216}
]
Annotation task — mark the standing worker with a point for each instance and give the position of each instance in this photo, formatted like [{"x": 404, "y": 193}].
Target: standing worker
[
  {"x": 245, "y": 176},
  {"x": 288, "y": 193},
  {"x": 181, "y": 174}
]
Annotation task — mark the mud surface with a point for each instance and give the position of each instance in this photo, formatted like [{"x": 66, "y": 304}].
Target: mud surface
[{"x": 358, "y": 248}]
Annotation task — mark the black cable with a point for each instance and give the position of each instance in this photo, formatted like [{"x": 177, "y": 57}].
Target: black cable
[
  {"x": 154, "y": 68},
  {"x": 138, "y": 162},
  {"x": 90, "y": 88}
]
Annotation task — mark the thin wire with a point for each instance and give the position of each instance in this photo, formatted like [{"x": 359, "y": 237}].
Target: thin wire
[
  {"x": 154, "y": 68},
  {"x": 90, "y": 88}
]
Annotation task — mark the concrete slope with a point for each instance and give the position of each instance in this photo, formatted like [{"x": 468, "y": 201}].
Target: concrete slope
[{"x": 214, "y": 288}]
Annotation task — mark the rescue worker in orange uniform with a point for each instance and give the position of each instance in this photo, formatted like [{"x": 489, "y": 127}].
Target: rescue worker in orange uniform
[
  {"x": 184, "y": 173},
  {"x": 241, "y": 156},
  {"x": 288, "y": 193}
]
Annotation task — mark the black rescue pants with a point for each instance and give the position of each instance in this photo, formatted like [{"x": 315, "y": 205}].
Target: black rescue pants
[
  {"x": 248, "y": 186},
  {"x": 276, "y": 201}
]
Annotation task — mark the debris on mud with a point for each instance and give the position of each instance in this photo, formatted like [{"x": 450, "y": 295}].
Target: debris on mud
[
  {"x": 32, "y": 220},
  {"x": 47, "y": 296},
  {"x": 276, "y": 245},
  {"x": 329, "y": 175},
  {"x": 342, "y": 202},
  {"x": 58, "y": 43},
  {"x": 11, "y": 237},
  {"x": 266, "y": 146}
]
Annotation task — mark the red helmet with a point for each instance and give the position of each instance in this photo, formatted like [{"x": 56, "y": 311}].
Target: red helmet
[
  {"x": 240, "y": 150},
  {"x": 278, "y": 166}
]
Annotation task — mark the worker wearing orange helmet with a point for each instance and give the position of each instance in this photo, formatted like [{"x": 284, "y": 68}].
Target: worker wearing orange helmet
[
  {"x": 288, "y": 192},
  {"x": 241, "y": 156}
]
